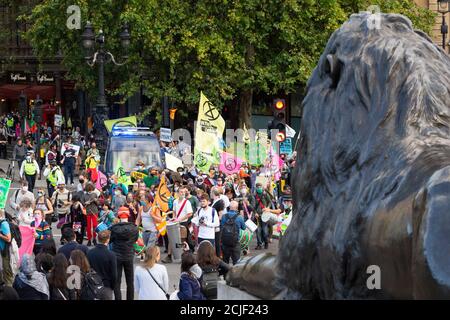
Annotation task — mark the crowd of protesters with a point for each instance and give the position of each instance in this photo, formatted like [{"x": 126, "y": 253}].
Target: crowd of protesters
[{"x": 101, "y": 226}]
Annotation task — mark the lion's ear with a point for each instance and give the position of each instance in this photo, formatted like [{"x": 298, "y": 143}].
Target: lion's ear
[{"x": 333, "y": 67}]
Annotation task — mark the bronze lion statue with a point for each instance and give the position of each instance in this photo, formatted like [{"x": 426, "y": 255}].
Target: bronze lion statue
[{"x": 372, "y": 182}]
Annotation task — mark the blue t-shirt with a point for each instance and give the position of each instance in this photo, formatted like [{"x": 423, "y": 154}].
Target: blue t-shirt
[{"x": 4, "y": 229}]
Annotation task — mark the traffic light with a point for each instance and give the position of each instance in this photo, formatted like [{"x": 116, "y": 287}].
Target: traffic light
[
  {"x": 37, "y": 110},
  {"x": 279, "y": 119}
]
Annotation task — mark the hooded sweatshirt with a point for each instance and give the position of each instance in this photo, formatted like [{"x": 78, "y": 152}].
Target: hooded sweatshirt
[{"x": 123, "y": 237}]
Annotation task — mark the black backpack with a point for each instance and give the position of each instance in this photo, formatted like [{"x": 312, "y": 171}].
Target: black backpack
[
  {"x": 93, "y": 288},
  {"x": 210, "y": 277},
  {"x": 15, "y": 232},
  {"x": 230, "y": 232}
]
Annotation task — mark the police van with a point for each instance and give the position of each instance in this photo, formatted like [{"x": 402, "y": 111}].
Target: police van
[{"x": 128, "y": 145}]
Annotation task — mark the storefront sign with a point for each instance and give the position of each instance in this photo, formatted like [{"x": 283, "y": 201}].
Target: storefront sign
[
  {"x": 43, "y": 77},
  {"x": 17, "y": 77}
]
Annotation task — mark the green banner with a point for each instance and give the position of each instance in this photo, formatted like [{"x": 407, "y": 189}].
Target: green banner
[{"x": 5, "y": 184}]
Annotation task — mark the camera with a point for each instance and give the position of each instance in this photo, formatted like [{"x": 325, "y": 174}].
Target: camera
[{"x": 202, "y": 220}]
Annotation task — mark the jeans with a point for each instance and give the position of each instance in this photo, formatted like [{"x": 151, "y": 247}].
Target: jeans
[
  {"x": 50, "y": 189},
  {"x": 31, "y": 181},
  {"x": 127, "y": 266},
  {"x": 92, "y": 223},
  {"x": 262, "y": 233},
  {"x": 149, "y": 238},
  {"x": 68, "y": 172},
  {"x": 231, "y": 252}
]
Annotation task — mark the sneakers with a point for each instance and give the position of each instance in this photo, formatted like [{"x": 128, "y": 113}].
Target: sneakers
[
  {"x": 167, "y": 259},
  {"x": 89, "y": 244}
]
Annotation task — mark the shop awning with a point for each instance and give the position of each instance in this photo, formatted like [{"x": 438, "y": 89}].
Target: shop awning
[{"x": 13, "y": 91}]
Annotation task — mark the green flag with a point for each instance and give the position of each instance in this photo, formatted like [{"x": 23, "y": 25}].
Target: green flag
[
  {"x": 5, "y": 184},
  {"x": 121, "y": 175}
]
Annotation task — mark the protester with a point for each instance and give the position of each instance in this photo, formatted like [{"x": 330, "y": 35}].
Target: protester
[
  {"x": 151, "y": 280},
  {"x": 62, "y": 200},
  {"x": 44, "y": 263},
  {"x": 232, "y": 222},
  {"x": 42, "y": 230},
  {"x": 20, "y": 195},
  {"x": 7, "y": 293},
  {"x": 262, "y": 203},
  {"x": 91, "y": 204},
  {"x": 43, "y": 203},
  {"x": 19, "y": 152},
  {"x": 68, "y": 161},
  {"x": 31, "y": 284},
  {"x": 208, "y": 221},
  {"x": 3, "y": 141},
  {"x": 25, "y": 216},
  {"x": 57, "y": 279},
  {"x": 78, "y": 259},
  {"x": 212, "y": 267},
  {"x": 189, "y": 287},
  {"x": 5, "y": 239},
  {"x": 78, "y": 221},
  {"x": 68, "y": 237},
  {"x": 104, "y": 262},
  {"x": 123, "y": 236},
  {"x": 148, "y": 217},
  {"x": 92, "y": 161}
]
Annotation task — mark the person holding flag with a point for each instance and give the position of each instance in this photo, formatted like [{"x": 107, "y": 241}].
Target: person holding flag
[{"x": 92, "y": 161}]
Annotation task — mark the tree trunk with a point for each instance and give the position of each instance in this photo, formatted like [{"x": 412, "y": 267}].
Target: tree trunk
[
  {"x": 245, "y": 108},
  {"x": 246, "y": 95}
]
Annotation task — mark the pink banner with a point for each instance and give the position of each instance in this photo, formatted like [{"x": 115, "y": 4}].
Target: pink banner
[
  {"x": 27, "y": 241},
  {"x": 229, "y": 163},
  {"x": 276, "y": 164},
  {"x": 101, "y": 181}
]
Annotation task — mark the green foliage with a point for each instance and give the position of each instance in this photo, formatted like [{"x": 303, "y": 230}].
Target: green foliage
[{"x": 221, "y": 47}]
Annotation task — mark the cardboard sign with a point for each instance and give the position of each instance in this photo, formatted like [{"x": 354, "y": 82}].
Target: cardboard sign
[
  {"x": 58, "y": 120},
  {"x": 165, "y": 135},
  {"x": 286, "y": 147},
  {"x": 173, "y": 163},
  {"x": 5, "y": 184},
  {"x": 69, "y": 146}
]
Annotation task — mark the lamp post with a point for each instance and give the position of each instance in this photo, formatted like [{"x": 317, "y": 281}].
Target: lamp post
[
  {"x": 100, "y": 57},
  {"x": 444, "y": 8}
]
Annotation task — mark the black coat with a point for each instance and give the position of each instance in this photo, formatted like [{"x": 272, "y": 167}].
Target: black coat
[
  {"x": 104, "y": 262},
  {"x": 123, "y": 237},
  {"x": 26, "y": 292}
]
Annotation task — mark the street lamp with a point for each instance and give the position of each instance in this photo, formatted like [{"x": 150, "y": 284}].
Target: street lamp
[
  {"x": 100, "y": 57},
  {"x": 444, "y": 8}
]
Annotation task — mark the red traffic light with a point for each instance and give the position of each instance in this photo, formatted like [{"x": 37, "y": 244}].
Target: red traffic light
[{"x": 279, "y": 104}]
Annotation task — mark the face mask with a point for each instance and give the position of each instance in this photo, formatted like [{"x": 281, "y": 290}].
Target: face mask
[
  {"x": 40, "y": 194},
  {"x": 24, "y": 189},
  {"x": 253, "y": 171},
  {"x": 81, "y": 181},
  {"x": 117, "y": 193},
  {"x": 196, "y": 270},
  {"x": 176, "y": 190},
  {"x": 143, "y": 203},
  {"x": 28, "y": 158},
  {"x": 259, "y": 190},
  {"x": 244, "y": 191}
]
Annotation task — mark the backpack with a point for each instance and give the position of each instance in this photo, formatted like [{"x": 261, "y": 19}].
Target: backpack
[
  {"x": 230, "y": 232},
  {"x": 93, "y": 288},
  {"x": 210, "y": 277},
  {"x": 15, "y": 232}
]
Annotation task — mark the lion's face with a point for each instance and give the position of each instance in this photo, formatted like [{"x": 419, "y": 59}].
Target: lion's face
[{"x": 371, "y": 88}]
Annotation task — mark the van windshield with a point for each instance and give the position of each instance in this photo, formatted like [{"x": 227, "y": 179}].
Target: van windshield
[{"x": 130, "y": 151}]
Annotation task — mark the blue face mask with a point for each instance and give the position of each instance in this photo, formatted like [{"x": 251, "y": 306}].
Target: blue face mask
[{"x": 143, "y": 203}]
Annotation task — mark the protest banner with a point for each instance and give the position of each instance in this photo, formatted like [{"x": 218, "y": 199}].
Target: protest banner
[
  {"x": 230, "y": 163},
  {"x": 125, "y": 122},
  {"x": 5, "y": 185},
  {"x": 208, "y": 134}
]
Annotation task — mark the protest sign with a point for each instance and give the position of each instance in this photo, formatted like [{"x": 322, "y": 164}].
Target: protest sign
[
  {"x": 165, "y": 135},
  {"x": 5, "y": 184},
  {"x": 173, "y": 163},
  {"x": 67, "y": 146}
]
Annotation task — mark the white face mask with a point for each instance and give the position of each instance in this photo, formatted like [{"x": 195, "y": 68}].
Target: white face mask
[
  {"x": 244, "y": 191},
  {"x": 117, "y": 193},
  {"x": 196, "y": 270},
  {"x": 24, "y": 189}
]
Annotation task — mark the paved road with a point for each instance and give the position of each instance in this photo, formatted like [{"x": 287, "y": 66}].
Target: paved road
[{"x": 173, "y": 269}]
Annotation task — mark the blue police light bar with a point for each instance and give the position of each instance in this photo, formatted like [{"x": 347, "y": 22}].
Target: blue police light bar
[{"x": 131, "y": 131}]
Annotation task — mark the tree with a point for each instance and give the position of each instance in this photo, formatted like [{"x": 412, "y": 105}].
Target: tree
[{"x": 228, "y": 49}]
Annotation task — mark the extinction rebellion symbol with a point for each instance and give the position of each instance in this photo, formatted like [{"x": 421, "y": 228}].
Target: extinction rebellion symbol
[
  {"x": 210, "y": 111},
  {"x": 201, "y": 160},
  {"x": 230, "y": 164}
]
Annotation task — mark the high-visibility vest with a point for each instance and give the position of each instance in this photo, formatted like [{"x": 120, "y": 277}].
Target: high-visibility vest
[
  {"x": 53, "y": 178},
  {"x": 10, "y": 122},
  {"x": 30, "y": 168}
]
